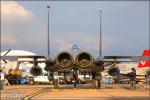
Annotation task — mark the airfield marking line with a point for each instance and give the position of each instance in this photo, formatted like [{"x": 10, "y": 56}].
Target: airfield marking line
[
  {"x": 107, "y": 93},
  {"x": 28, "y": 97}
]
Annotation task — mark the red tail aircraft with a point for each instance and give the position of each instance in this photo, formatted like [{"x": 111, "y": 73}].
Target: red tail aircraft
[{"x": 145, "y": 63}]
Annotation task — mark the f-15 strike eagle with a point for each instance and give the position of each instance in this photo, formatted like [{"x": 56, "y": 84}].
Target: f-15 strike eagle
[
  {"x": 66, "y": 62},
  {"x": 83, "y": 61}
]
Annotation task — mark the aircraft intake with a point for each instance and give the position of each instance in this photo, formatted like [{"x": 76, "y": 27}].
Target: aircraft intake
[
  {"x": 84, "y": 59},
  {"x": 36, "y": 71},
  {"x": 64, "y": 59},
  {"x": 113, "y": 71}
]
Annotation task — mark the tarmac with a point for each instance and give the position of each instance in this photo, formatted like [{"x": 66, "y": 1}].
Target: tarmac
[{"x": 67, "y": 92}]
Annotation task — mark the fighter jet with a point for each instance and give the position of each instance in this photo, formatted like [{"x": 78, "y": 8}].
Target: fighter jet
[{"x": 84, "y": 62}]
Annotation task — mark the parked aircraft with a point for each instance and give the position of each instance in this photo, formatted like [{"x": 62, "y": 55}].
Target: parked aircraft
[{"x": 84, "y": 62}]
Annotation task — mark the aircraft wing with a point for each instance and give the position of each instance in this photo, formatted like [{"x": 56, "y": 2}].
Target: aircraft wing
[
  {"x": 107, "y": 61},
  {"x": 125, "y": 58},
  {"x": 26, "y": 58}
]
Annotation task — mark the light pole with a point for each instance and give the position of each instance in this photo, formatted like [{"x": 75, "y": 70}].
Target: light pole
[
  {"x": 100, "y": 41},
  {"x": 48, "y": 42}
]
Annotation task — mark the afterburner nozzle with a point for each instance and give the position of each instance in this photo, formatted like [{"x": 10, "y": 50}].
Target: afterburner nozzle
[
  {"x": 64, "y": 59},
  {"x": 84, "y": 59}
]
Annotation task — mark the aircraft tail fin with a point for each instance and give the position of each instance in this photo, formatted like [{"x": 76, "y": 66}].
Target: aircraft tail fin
[{"x": 145, "y": 63}]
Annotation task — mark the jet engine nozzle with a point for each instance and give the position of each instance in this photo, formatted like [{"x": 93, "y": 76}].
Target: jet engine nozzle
[
  {"x": 113, "y": 71},
  {"x": 84, "y": 59},
  {"x": 64, "y": 59},
  {"x": 36, "y": 71}
]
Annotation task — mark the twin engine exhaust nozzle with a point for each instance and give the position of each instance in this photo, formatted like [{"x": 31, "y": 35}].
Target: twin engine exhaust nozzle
[
  {"x": 65, "y": 61},
  {"x": 84, "y": 59}
]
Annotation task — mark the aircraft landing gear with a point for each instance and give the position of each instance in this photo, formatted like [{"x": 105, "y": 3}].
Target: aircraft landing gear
[
  {"x": 93, "y": 84},
  {"x": 96, "y": 80},
  {"x": 55, "y": 82}
]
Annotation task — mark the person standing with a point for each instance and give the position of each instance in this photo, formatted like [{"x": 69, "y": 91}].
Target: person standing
[
  {"x": 132, "y": 76},
  {"x": 75, "y": 78},
  {"x": 99, "y": 78}
]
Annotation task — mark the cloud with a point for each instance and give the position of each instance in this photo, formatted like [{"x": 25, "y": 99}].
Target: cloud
[
  {"x": 63, "y": 45},
  {"x": 12, "y": 11},
  {"x": 8, "y": 39},
  {"x": 21, "y": 29},
  {"x": 86, "y": 41}
]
